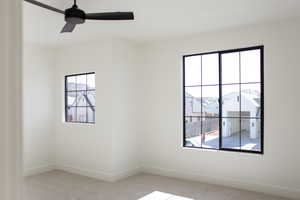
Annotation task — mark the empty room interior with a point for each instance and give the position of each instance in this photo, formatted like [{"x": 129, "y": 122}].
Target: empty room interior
[{"x": 159, "y": 100}]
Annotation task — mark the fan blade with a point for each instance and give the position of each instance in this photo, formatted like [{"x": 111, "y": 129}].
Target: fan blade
[
  {"x": 68, "y": 28},
  {"x": 110, "y": 16},
  {"x": 45, "y": 6}
]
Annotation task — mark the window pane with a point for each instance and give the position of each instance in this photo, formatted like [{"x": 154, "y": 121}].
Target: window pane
[
  {"x": 210, "y": 133},
  {"x": 231, "y": 133},
  {"x": 231, "y": 100},
  {"x": 251, "y": 134},
  {"x": 250, "y": 66},
  {"x": 91, "y": 98},
  {"x": 193, "y": 131},
  {"x": 71, "y": 83},
  {"x": 230, "y": 68},
  {"x": 91, "y": 114},
  {"x": 210, "y": 101},
  {"x": 81, "y": 98},
  {"x": 71, "y": 98},
  {"x": 71, "y": 114},
  {"x": 250, "y": 101},
  {"x": 192, "y": 70},
  {"x": 193, "y": 101},
  {"x": 81, "y": 114},
  {"x": 81, "y": 82},
  {"x": 91, "y": 82},
  {"x": 210, "y": 69}
]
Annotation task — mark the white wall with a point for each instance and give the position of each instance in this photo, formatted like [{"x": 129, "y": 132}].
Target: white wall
[
  {"x": 125, "y": 143},
  {"x": 161, "y": 107},
  {"x": 106, "y": 149},
  {"x": 38, "y": 108}
]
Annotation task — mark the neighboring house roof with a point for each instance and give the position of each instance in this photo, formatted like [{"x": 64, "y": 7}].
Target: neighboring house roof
[
  {"x": 253, "y": 98},
  {"x": 81, "y": 97},
  {"x": 71, "y": 101},
  {"x": 193, "y": 105}
]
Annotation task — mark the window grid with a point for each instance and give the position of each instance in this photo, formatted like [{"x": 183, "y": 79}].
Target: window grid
[
  {"x": 76, "y": 91},
  {"x": 221, "y": 117}
]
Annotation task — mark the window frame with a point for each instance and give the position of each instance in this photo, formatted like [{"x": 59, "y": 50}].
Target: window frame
[
  {"x": 220, "y": 117},
  {"x": 66, "y": 98}
]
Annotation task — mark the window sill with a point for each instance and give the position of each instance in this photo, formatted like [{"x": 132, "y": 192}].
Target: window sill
[
  {"x": 78, "y": 123},
  {"x": 244, "y": 152}
]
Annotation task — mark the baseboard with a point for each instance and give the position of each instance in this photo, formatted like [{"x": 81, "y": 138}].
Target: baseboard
[
  {"x": 275, "y": 190},
  {"x": 101, "y": 175},
  {"x": 38, "y": 170},
  {"x": 125, "y": 174}
]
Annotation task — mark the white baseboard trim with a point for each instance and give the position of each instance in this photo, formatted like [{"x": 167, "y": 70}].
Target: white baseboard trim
[
  {"x": 101, "y": 175},
  {"x": 38, "y": 170},
  {"x": 275, "y": 190},
  {"x": 125, "y": 174}
]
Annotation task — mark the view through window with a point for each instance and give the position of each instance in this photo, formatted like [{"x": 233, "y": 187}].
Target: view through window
[
  {"x": 223, "y": 100},
  {"x": 80, "y": 98}
]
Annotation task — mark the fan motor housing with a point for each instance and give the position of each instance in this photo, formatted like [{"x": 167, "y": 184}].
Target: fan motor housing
[{"x": 74, "y": 15}]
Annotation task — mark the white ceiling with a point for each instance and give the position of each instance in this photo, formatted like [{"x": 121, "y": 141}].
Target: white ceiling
[{"x": 154, "y": 19}]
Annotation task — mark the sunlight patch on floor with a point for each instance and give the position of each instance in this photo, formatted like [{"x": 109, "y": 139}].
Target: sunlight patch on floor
[
  {"x": 248, "y": 146},
  {"x": 163, "y": 196}
]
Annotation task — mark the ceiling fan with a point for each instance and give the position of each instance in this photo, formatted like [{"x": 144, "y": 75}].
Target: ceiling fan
[{"x": 74, "y": 15}]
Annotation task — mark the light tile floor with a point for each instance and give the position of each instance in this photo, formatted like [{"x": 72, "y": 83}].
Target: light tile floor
[{"x": 59, "y": 185}]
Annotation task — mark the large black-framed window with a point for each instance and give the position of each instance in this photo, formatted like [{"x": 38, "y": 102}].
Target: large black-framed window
[
  {"x": 223, "y": 97},
  {"x": 80, "y": 98}
]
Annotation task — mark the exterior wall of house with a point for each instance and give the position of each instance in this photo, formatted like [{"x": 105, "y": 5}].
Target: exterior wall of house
[{"x": 231, "y": 107}]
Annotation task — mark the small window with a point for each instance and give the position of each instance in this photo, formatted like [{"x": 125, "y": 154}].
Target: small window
[
  {"x": 224, "y": 89},
  {"x": 80, "y": 98}
]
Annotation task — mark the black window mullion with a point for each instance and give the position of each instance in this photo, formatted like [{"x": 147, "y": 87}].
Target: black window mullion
[
  {"x": 201, "y": 113},
  {"x": 76, "y": 96},
  {"x": 240, "y": 98},
  {"x": 203, "y": 85},
  {"x": 184, "y": 103},
  {"x": 66, "y": 101},
  {"x": 86, "y": 110},
  {"x": 92, "y": 90},
  {"x": 94, "y": 113},
  {"x": 262, "y": 99},
  {"x": 220, "y": 102}
]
